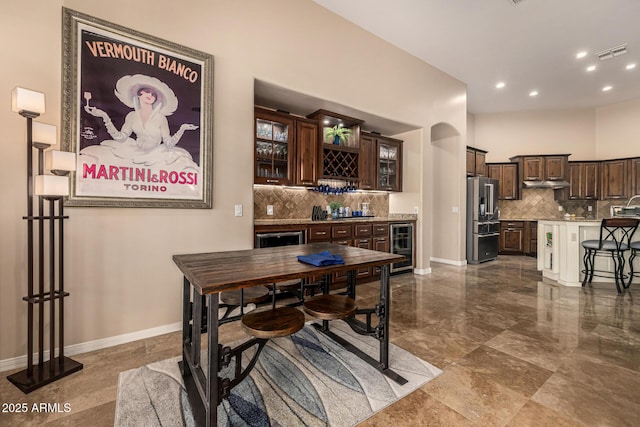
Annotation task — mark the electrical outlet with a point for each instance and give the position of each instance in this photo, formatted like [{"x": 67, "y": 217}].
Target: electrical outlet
[
  {"x": 238, "y": 210},
  {"x": 560, "y": 208},
  {"x": 590, "y": 208},
  {"x": 454, "y": 209},
  {"x": 269, "y": 209},
  {"x": 415, "y": 210}
]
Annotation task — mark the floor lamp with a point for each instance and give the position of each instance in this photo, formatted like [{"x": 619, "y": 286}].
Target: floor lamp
[{"x": 47, "y": 260}]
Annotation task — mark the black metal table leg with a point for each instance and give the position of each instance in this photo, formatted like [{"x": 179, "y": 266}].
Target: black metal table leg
[
  {"x": 385, "y": 301},
  {"x": 213, "y": 367}
]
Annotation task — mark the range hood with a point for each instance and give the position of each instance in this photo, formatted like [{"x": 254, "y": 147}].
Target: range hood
[{"x": 545, "y": 184}]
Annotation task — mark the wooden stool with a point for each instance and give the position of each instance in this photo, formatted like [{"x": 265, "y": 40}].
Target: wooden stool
[
  {"x": 330, "y": 307},
  {"x": 273, "y": 323},
  {"x": 251, "y": 295}
]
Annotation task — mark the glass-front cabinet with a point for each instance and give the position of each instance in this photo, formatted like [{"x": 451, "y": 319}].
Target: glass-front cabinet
[
  {"x": 274, "y": 149},
  {"x": 389, "y": 164}
]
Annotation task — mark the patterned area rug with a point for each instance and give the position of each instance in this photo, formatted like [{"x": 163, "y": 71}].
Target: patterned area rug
[{"x": 306, "y": 379}]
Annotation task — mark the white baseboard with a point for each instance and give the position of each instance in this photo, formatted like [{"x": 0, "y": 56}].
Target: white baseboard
[
  {"x": 21, "y": 361},
  {"x": 422, "y": 271},
  {"x": 449, "y": 261}
]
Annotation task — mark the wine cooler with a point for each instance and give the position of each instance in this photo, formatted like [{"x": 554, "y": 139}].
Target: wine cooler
[{"x": 402, "y": 243}]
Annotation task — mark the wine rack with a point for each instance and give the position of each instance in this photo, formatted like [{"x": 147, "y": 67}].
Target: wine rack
[{"x": 340, "y": 162}]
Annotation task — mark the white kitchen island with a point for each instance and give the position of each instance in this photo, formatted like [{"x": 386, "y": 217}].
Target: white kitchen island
[{"x": 560, "y": 250}]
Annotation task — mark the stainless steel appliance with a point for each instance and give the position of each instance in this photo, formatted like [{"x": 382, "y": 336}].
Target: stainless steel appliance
[
  {"x": 483, "y": 225},
  {"x": 402, "y": 243},
  {"x": 270, "y": 240}
]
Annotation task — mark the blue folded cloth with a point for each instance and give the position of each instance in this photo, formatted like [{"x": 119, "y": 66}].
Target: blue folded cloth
[{"x": 321, "y": 259}]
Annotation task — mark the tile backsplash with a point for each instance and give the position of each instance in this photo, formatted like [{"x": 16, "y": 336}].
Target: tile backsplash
[
  {"x": 297, "y": 203},
  {"x": 539, "y": 203}
]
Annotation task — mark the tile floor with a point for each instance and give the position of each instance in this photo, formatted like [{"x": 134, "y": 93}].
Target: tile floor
[{"x": 515, "y": 351}]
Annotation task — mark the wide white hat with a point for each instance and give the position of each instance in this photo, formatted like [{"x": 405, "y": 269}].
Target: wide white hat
[{"x": 127, "y": 88}]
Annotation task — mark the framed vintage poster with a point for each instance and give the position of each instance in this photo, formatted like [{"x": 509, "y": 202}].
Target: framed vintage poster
[{"x": 137, "y": 111}]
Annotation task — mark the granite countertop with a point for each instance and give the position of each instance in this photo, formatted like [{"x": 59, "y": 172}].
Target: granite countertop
[
  {"x": 296, "y": 221},
  {"x": 581, "y": 218}
]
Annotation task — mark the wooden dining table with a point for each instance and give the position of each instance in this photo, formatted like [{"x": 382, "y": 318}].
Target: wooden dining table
[{"x": 208, "y": 274}]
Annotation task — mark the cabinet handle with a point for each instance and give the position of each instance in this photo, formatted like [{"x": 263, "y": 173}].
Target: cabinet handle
[
  {"x": 341, "y": 231},
  {"x": 321, "y": 233},
  {"x": 273, "y": 180},
  {"x": 307, "y": 183}
]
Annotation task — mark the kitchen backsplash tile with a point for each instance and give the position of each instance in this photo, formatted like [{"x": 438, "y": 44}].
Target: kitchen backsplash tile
[
  {"x": 539, "y": 203},
  {"x": 297, "y": 203}
]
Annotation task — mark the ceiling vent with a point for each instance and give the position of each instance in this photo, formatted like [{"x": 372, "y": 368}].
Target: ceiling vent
[
  {"x": 611, "y": 53},
  {"x": 515, "y": 2}
]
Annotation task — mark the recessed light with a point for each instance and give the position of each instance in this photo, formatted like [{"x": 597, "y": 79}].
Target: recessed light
[
  {"x": 500, "y": 85},
  {"x": 533, "y": 93},
  {"x": 630, "y": 66},
  {"x": 326, "y": 122},
  {"x": 580, "y": 55},
  {"x": 607, "y": 88},
  {"x": 591, "y": 68}
]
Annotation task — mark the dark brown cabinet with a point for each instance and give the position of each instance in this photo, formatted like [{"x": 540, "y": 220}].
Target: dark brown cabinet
[
  {"x": 542, "y": 168},
  {"x": 584, "y": 181},
  {"x": 380, "y": 164},
  {"x": 531, "y": 238},
  {"x": 337, "y": 160},
  {"x": 476, "y": 162},
  {"x": 507, "y": 176},
  {"x": 306, "y": 152},
  {"x": 635, "y": 176},
  {"x": 511, "y": 238},
  {"x": 286, "y": 149},
  {"x": 367, "y": 162},
  {"x": 389, "y": 168},
  {"x": 615, "y": 177},
  {"x": 274, "y": 148}
]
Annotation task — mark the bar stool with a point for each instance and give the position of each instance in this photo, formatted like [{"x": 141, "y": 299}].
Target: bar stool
[
  {"x": 330, "y": 307},
  {"x": 635, "y": 247},
  {"x": 614, "y": 241},
  {"x": 262, "y": 325},
  {"x": 240, "y": 298},
  {"x": 274, "y": 322}
]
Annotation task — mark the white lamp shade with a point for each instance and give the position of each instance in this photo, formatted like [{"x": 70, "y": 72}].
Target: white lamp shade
[
  {"x": 27, "y": 100},
  {"x": 59, "y": 160},
  {"x": 51, "y": 185},
  {"x": 44, "y": 133}
]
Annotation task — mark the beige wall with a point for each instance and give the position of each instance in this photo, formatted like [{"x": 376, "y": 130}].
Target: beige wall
[
  {"x": 618, "y": 130},
  {"x": 505, "y": 135},
  {"x": 587, "y": 134},
  {"x": 119, "y": 269}
]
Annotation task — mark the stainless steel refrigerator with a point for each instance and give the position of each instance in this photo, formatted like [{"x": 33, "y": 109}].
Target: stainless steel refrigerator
[{"x": 483, "y": 225}]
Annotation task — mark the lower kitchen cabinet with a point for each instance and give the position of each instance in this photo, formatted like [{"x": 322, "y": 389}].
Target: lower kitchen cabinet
[
  {"x": 518, "y": 238},
  {"x": 511, "y": 238}
]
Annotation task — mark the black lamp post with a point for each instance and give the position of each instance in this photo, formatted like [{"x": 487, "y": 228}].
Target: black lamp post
[{"x": 52, "y": 189}]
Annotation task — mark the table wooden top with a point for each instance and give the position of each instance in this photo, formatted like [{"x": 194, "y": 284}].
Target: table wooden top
[{"x": 215, "y": 272}]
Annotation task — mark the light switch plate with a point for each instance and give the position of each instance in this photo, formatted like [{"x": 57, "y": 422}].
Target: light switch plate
[
  {"x": 416, "y": 210},
  {"x": 454, "y": 209},
  {"x": 590, "y": 208},
  {"x": 238, "y": 210},
  {"x": 269, "y": 209}
]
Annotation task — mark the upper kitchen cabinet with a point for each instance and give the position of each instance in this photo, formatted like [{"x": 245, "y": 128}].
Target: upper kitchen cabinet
[
  {"x": 286, "y": 149},
  {"x": 307, "y": 148},
  {"x": 616, "y": 182},
  {"x": 367, "y": 161},
  {"x": 507, "y": 176},
  {"x": 338, "y": 156},
  {"x": 635, "y": 176},
  {"x": 380, "y": 162},
  {"x": 542, "y": 168},
  {"x": 389, "y": 164},
  {"x": 476, "y": 162},
  {"x": 274, "y": 148},
  {"x": 584, "y": 181}
]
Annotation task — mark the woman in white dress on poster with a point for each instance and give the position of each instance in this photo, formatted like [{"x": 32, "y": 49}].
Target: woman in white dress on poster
[{"x": 152, "y": 101}]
